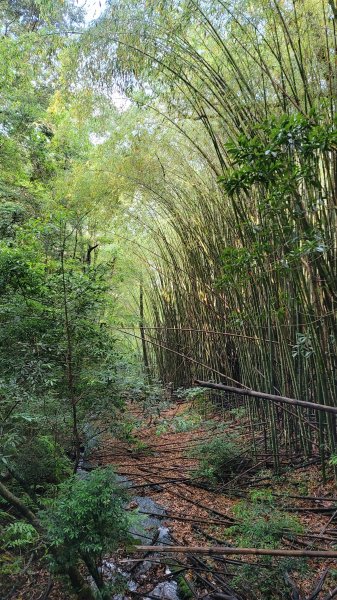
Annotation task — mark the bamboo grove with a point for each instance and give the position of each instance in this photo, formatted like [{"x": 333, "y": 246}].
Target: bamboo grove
[{"x": 237, "y": 195}]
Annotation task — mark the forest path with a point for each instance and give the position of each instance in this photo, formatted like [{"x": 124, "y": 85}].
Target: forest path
[{"x": 159, "y": 468}]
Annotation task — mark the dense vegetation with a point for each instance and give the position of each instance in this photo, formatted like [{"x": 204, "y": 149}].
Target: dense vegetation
[{"x": 168, "y": 185}]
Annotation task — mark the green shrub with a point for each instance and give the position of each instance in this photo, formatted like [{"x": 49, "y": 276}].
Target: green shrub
[
  {"x": 124, "y": 429},
  {"x": 220, "y": 459},
  {"x": 180, "y": 423},
  {"x": 17, "y": 540},
  {"x": 42, "y": 461},
  {"x": 198, "y": 396},
  {"x": 150, "y": 397},
  {"x": 139, "y": 447},
  {"x": 20, "y": 535},
  {"x": 239, "y": 413},
  {"x": 88, "y": 517},
  {"x": 261, "y": 525}
]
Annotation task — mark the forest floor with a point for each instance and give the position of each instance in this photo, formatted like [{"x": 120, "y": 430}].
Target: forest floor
[{"x": 159, "y": 466}]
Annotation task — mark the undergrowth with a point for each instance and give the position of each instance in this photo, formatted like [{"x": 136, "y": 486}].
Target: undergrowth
[
  {"x": 220, "y": 459},
  {"x": 187, "y": 421},
  {"x": 261, "y": 525}
]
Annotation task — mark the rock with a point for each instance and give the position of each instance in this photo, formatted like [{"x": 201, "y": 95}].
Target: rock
[
  {"x": 147, "y": 529},
  {"x": 164, "y": 537},
  {"x": 167, "y": 590},
  {"x": 143, "y": 568},
  {"x": 124, "y": 481}
]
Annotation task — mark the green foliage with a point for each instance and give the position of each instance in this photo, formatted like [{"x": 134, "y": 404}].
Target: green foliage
[
  {"x": 126, "y": 428},
  {"x": 10, "y": 564},
  {"x": 197, "y": 396},
  {"x": 267, "y": 157},
  {"x": 140, "y": 447},
  {"x": 42, "y": 461},
  {"x": 131, "y": 385},
  {"x": 190, "y": 393},
  {"x": 333, "y": 460},
  {"x": 49, "y": 309},
  {"x": 12, "y": 215},
  {"x": 238, "y": 263},
  {"x": 238, "y": 413},
  {"x": 303, "y": 346},
  {"x": 266, "y": 235},
  {"x": 88, "y": 517},
  {"x": 150, "y": 396},
  {"x": 185, "y": 592},
  {"x": 220, "y": 459},
  {"x": 261, "y": 525},
  {"x": 187, "y": 421},
  {"x": 20, "y": 535}
]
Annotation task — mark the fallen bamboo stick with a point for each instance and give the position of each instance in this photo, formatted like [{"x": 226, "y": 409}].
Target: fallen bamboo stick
[
  {"x": 170, "y": 517},
  {"x": 264, "y": 396},
  {"x": 242, "y": 551}
]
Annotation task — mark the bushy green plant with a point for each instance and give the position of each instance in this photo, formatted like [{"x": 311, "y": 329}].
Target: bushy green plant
[
  {"x": 186, "y": 422},
  {"x": 238, "y": 413},
  {"x": 153, "y": 399},
  {"x": 140, "y": 447},
  {"x": 17, "y": 540},
  {"x": 198, "y": 397},
  {"x": 220, "y": 459},
  {"x": 125, "y": 429},
  {"x": 88, "y": 517},
  {"x": 42, "y": 461},
  {"x": 180, "y": 423},
  {"x": 20, "y": 535},
  {"x": 86, "y": 521},
  {"x": 190, "y": 393},
  {"x": 261, "y": 525}
]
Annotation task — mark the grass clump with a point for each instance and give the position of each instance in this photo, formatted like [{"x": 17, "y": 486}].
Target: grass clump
[
  {"x": 221, "y": 459},
  {"x": 198, "y": 397},
  {"x": 262, "y": 525},
  {"x": 183, "y": 423}
]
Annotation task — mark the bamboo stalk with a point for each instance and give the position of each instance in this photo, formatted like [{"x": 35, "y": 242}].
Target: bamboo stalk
[
  {"x": 224, "y": 550},
  {"x": 262, "y": 395}
]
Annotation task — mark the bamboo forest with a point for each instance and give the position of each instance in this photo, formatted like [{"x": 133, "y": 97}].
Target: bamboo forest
[{"x": 168, "y": 299}]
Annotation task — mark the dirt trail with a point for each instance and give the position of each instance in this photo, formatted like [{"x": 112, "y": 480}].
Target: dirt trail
[{"x": 161, "y": 469}]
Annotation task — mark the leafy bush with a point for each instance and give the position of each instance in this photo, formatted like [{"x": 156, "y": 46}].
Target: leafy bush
[
  {"x": 42, "y": 462},
  {"x": 138, "y": 447},
  {"x": 20, "y": 535},
  {"x": 238, "y": 413},
  {"x": 124, "y": 429},
  {"x": 220, "y": 459},
  {"x": 151, "y": 397},
  {"x": 198, "y": 396},
  {"x": 88, "y": 517},
  {"x": 17, "y": 539},
  {"x": 261, "y": 525},
  {"x": 180, "y": 423}
]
